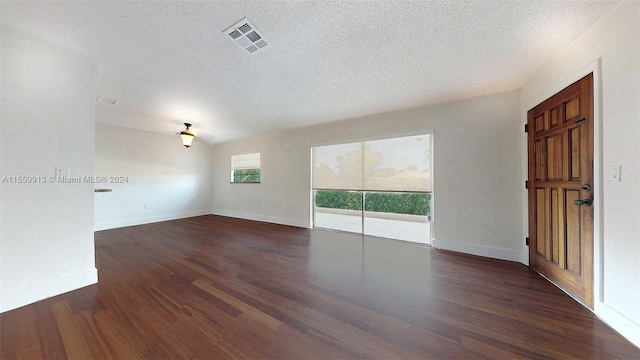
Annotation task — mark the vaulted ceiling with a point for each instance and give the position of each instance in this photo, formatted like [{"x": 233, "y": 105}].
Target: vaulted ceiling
[{"x": 171, "y": 62}]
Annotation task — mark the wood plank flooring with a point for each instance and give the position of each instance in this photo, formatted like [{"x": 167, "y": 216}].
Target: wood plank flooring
[{"x": 213, "y": 287}]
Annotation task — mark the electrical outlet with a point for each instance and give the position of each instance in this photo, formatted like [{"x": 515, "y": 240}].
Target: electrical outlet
[{"x": 146, "y": 206}]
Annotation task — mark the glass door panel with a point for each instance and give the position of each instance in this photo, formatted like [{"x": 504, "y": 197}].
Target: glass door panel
[
  {"x": 401, "y": 216},
  {"x": 338, "y": 210}
]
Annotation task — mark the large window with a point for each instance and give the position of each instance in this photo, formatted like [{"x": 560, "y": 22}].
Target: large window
[
  {"x": 245, "y": 168},
  {"x": 378, "y": 187}
]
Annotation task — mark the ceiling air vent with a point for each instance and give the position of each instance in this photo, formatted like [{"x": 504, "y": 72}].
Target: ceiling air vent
[
  {"x": 106, "y": 100},
  {"x": 245, "y": 34}
]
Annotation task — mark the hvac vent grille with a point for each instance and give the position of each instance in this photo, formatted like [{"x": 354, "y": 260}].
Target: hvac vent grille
[
  {"x": 244, "y": 28},
  {"x": 247, "y": 36},
  {"x": 261, "y": 44},
  {"x": 106, "y": 100},
  {"x": 253, "y": 36}
]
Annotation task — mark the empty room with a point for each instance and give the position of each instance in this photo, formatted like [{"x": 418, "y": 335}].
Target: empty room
[{"x": 320, "y": 179}]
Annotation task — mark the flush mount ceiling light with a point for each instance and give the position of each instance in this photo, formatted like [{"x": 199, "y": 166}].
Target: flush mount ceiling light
[
  {"x": 187, "y": 136},
  {"x": 247, "y": 36}
]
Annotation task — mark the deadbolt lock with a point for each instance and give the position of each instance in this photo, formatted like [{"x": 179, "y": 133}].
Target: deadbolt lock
[{"x": 586, "y": 187}]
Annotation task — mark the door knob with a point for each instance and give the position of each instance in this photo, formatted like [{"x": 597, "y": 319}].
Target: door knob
[
  {"x": 586, "y": 187},
  {"x": 585, "y": 202}
]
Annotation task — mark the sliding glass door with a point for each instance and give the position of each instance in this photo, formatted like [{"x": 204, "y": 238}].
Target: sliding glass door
[
  {"x": 401, "y": 216},
  {"x": 338, "y": 210},
  {"x": 380, "y": 187}
]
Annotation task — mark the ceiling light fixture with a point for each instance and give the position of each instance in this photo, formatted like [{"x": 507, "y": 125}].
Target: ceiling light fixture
[{"x": 187, "y": 136}]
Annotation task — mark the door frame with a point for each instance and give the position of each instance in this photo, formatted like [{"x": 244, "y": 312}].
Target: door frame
[{"x": 598, "y": 260}]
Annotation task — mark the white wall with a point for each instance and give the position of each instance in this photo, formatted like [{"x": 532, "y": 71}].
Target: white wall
[
  {"x": 48, "y": 119},
  {"x": 476, "y": 181},
  {"x": 1, "y": 172},
  {"x": 611, "y": 48},
  {"x": 175, "y": 182}
]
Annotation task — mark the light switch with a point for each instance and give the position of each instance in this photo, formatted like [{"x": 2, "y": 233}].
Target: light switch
[
  {"x": 615, "y": 173},
  {"x": 63, "y": 173}
]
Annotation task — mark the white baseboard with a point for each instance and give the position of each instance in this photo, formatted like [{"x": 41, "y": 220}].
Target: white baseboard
[
  {"x": 263, "y": 218},
  {"x": 19, "y": 298},
  {"x": 524, "y": 259},
  {"x": 486, "y": 251},
  {"x": 148, "y": 220},
  {"x": 622, "y": 324}
]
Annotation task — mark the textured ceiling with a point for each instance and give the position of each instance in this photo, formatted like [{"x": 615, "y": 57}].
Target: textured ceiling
[{"x": 169, "y": 62}]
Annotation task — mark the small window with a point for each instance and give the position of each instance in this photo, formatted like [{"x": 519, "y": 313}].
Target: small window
[{"x": 245, "y": 168}]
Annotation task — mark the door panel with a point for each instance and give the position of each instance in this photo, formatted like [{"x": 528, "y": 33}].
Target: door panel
[
  {"x": 557, "y": 227},
  {"x": 539, "y": 123},
  {"x": 572, "y": 108},
  {"x": 574, "y": 137},
  {"x": 573, "y": 232},
  {"x": 539, "y": 169},
  {"x": 555, "y": 159},
  {"x": 541, "y": 222},
  {"x": 554, "y": 118},
  {"x": 560, "y": 162}
]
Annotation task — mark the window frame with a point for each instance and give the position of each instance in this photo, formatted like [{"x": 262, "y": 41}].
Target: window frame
[
  {"x": 235, "y": 157},
  {"x": 314, "y": 188}
]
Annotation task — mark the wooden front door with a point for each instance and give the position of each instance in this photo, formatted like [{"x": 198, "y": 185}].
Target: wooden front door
[{"x": 560, "y": 143}]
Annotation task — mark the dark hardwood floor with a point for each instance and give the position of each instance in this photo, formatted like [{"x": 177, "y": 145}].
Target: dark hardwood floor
[{"x": 212, "y": 287}]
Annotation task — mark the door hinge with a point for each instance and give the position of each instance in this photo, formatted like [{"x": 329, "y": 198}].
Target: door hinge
[
  {"x": 526, "y": 128},
  {"x": 526, "y": 184},
  {"x": 526, "y": 241}
]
